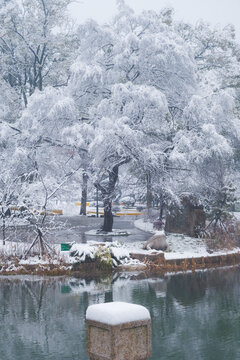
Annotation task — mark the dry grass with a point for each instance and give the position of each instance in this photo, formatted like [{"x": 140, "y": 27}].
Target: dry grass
[
  {"x": 224, "y": 236},
  {"x": 191, "y": 264}
]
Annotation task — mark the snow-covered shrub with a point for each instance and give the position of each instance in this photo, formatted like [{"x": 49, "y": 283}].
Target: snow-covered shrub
[
  {"x": 104, "y": 257},
  {"x": 108, "y": 256},
  {"x": 82, "y": 254}
]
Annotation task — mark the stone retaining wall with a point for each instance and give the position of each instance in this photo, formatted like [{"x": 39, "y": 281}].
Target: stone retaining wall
[{"x": 158, "y": 262}]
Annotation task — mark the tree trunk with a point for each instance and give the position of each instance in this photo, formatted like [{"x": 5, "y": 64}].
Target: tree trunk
[
  {"x": 149, "y": 195},
  {"x": 108, "y": 296},
  {"x": 108, "y": 216},
  {"x": 108, "y": 194},
  {"x": 83, "y": 210},
  {"x": 24, "y": 98},
  {"x": 40, "y": 242},
  {"x": 161, "y": 219},
  {"x": 3, "y": 230},
  {"x": 40, "y": 82}
]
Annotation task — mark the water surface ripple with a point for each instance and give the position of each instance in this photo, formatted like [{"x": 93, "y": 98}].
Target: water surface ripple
[{"x": 194, "y": 316}]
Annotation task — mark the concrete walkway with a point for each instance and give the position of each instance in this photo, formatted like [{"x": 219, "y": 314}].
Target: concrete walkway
[{"x": 67, "y": 229}]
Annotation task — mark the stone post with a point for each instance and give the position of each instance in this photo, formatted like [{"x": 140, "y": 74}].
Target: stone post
[{"x": 118, "y": 331}]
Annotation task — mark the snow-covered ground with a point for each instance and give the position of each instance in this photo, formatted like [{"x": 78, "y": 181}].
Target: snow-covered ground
[
  {"x": 179, "y": 247},
  {"x": 182, "y": 246},
  {"x": 236, "y": 215},
  {"x": 144, "y": 225},
  {"x": 114, "y": 253},
  {"x": 12, "y": 248}
]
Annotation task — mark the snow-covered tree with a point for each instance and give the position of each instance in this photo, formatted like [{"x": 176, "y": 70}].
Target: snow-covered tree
[
  {"x": 146, "y": 95},
  {"x": 34, "y": 50},
  {"x": 133, "y": 125},
  {"x": 37, "y": 161},
  {"x": 141, "y": 50}
]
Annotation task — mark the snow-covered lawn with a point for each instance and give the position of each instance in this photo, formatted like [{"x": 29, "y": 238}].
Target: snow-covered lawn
[
  {"x": 115, "y": 252},
  {"x": 179, "y": 247},
  {"x": 236, "y": 215},
  {"x": 112, "y": 253},
  {"x": 13, "y": 248},
  {"x": 182, "y": 246}
]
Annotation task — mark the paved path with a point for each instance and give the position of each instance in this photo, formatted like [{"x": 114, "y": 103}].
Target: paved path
[{"x": 67, "y": 229}]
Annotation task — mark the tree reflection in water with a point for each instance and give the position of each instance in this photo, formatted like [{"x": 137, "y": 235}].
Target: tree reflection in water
[{"x": 194, "y": 316}]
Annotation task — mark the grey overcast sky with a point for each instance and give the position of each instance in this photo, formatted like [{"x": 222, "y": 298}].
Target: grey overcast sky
[{"x": 215, "y": 12}]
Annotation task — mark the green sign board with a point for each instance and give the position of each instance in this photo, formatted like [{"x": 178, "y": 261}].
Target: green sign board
[{"x": 65, "y": 247}]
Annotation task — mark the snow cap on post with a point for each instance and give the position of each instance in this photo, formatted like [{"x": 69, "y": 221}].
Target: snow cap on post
[
  {"x": 118, "y": 331},
  {"x": 115, "y": 313}
]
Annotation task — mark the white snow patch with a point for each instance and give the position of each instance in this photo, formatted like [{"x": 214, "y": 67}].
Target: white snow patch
[
  {"x": 120, "y": 253},
  {"x": 236, "y": 215},
  {"x": 69, "y": 209},
  {"x": 115, "y": 232},
  {"x": 159, "y": 232},
  {"x": 182, "y": 246},
  {"x": 13, "y": 248},
  {"x": 82, "y": 251},
  {"x": 144, "y": 226},
  {"x": 115, "y": 313}
]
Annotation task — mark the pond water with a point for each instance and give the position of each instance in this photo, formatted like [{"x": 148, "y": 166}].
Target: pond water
[{"x": 194, "y": 316}]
